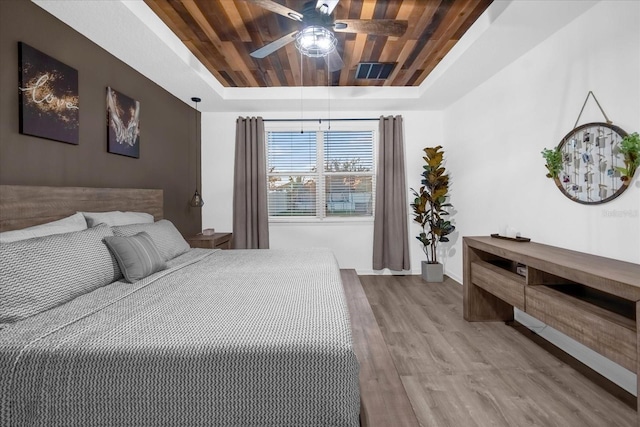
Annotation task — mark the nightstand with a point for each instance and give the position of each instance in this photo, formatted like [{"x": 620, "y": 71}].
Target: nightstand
[{"x": 215, "y": 241}]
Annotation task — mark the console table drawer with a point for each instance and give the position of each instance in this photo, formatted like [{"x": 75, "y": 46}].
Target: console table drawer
[
  {"x": 608, "y": 333},
  {"x": 502, "y": 283}
]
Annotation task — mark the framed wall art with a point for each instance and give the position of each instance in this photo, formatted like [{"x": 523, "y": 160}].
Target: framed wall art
[
  {"x": 591, "y": 159},
  {"x": 591, "y": 164},
  {"x": 49, "y": 102},
  {"x": 123, "y": 124}
]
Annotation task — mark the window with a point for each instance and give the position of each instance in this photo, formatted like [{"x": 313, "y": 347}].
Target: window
[{"x": 321, "y": 174}]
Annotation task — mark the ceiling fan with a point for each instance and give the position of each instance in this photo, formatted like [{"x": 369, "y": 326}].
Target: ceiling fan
[{"x": 316, "y": 38}]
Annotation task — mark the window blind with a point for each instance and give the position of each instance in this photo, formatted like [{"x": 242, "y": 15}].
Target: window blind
[{"x": 320, "y": 174}]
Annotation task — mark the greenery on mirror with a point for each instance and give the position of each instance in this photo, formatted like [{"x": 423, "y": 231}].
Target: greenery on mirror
[
  {"x": 554, "y": 162},
  {"x": 430, "y": 203},
  {"x": 630, "y": 148}
]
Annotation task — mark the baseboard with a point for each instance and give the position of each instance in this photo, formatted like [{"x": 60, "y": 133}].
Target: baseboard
[
  {"x": 387, "y": 272},
  {"x": 605, "y": 367},
  {"x": 453, "y": 276}
]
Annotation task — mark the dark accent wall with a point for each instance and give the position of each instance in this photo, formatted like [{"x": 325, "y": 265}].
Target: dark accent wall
[{"x": 168, "y": 140}]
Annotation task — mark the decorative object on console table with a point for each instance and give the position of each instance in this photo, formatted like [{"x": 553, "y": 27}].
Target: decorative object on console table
[
  {"x": 515, "y": 239},
  {"x": 429, "y": 209},
  {"x": 213, "y": 241}
]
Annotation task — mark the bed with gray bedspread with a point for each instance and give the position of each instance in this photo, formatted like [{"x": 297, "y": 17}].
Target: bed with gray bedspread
[{"x": 243, "y": 338}]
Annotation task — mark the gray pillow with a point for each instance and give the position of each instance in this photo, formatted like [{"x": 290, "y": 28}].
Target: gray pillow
[
  {"x": 137, "y": 255},
  {"x": 44, "y": 272},
  {"x": 117, "y": 218},
  {"x": 164, "y": 234},
  {"x": 75, "y": 222}
]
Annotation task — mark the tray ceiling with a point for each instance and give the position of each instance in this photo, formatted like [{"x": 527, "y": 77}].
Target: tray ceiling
[{"x": 222, "y": 34}]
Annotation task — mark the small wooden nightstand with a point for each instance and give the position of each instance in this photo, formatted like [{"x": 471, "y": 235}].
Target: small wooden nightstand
[{"x": 215, "y": 241}]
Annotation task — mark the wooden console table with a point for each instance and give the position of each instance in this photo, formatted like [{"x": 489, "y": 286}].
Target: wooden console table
[{"x": 592, "y": 299}]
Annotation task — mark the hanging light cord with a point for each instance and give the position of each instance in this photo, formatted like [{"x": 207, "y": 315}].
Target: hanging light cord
[
  {"x": 329, "y": 91},
  {"x": 196, "y": 200},
  {"x": 197, "y": 151},
  {"x": 301, "y": 86}
]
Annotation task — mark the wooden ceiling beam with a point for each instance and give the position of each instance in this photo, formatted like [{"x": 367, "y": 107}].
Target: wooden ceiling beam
[
  {"x": 238, "y": 63},
  {"x": 368, "y": 9},
  {"x": 223, "y": 33},
  {"x": 233, "y": 14},
  {"x": 198, "y": 16},
  {"x": 443, "y": 37},
  {"x": 204, "y": 59},
  {"x": 395, "y": 75},
  {"x": 405, "y": 12},
  {"x": 346, "y": 58},
  {"x": 169, "y": 16},
  {"x": 358, "y": 48}
]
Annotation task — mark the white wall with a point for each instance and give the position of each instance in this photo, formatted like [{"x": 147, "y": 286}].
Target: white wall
[
  {"x": 495, "y": 133},
  {"x": 352, "y": 242}
]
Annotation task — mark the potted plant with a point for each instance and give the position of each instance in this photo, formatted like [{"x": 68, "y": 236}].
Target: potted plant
[
  {"x": 429, "y": 209},
  {"x": 630, "y": 148},
  {"x": 554, "y": 163}
]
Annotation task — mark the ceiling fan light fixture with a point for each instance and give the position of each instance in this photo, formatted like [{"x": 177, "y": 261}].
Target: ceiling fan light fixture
[{"x": 315, "y": 41}]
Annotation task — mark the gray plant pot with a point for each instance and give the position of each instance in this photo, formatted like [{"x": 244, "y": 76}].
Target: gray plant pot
[{"x": 432, "y": 272}]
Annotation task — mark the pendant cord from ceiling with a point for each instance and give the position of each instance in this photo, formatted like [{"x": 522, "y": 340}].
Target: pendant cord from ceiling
[
  {"x": 329, "y": 91},
  {"x": 319, "y": 120},
  {"x": 301, "y": 87}
]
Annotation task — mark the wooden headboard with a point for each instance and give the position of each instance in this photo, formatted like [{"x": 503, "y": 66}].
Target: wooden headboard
[{"x": 24, "y": 205}]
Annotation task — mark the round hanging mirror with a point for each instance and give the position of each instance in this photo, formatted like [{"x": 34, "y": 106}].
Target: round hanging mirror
[{"x": 590, "y": 158}]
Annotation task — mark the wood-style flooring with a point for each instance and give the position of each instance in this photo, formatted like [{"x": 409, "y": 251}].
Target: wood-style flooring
[{"x": 462, "y": 374}]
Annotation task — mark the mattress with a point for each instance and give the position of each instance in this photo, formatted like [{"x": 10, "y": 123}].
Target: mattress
[{"x": 228, "y": 338}]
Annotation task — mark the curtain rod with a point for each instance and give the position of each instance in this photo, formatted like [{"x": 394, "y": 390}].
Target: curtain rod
[{"x": 319, "y": 120}]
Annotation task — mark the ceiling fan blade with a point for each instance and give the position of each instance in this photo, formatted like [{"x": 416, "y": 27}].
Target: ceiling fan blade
[
  {"x": 277, "y": 8},
  {"x": 380, "y": 27},
  {"x": 274, "y": 45},
  {"x": 330, "y": 5},
  {"x": 333, "y": 61}
]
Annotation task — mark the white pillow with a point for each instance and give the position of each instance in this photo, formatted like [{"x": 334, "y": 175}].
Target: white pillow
[
  {"x": 115, "y": 218},
  {"x": 75, "y": 222}
]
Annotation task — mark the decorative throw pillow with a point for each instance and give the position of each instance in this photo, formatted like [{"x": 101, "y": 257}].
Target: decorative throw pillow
[
  {"x": 137, "y": 255},
  {"x": 164, "y": 234},
  {"x": 114, "y": 218},
  {"x": 75, "y": 222},
  {"x": 41, "y": 273}
]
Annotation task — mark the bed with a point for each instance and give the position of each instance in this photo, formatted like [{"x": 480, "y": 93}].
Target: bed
[{"x": 212, "y": 338}]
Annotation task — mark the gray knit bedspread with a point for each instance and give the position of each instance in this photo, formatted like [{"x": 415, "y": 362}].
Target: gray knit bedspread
[{"x": 221, "y": 338}]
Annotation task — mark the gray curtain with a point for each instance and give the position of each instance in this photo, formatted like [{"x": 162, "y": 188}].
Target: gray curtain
[
  {"x": 250, "y": 214},
  {"x": 390, "y": 232}
]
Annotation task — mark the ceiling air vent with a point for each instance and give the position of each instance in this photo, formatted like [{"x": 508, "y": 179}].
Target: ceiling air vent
[{"x": 374, "y": 70}]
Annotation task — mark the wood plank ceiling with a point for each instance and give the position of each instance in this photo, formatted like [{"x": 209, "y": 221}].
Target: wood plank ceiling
[{"x": 222, "y": 34}]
